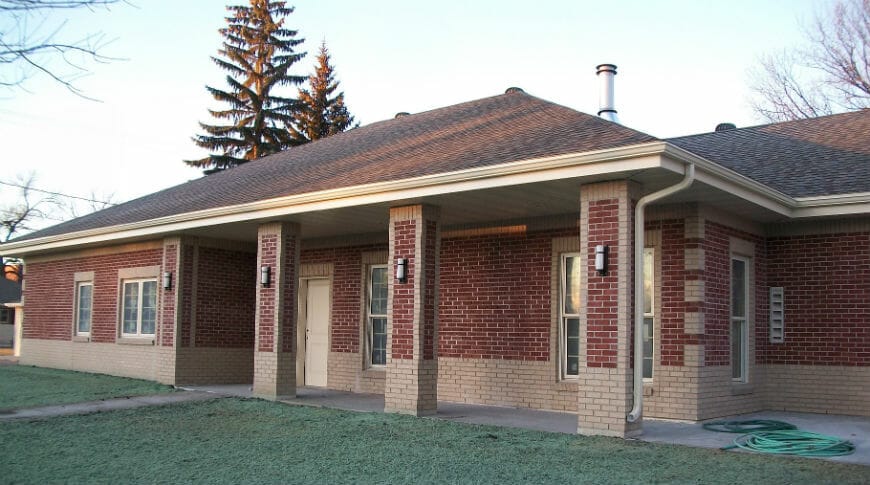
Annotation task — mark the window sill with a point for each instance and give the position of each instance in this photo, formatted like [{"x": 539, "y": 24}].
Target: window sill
[
  {"x": 742, "y": 388},
  {"x": 375, "y": 373},
  {"x": 135, "y": 341},
  {"x": 81, "y": 338},
  {"x": 568, "y": 385}
]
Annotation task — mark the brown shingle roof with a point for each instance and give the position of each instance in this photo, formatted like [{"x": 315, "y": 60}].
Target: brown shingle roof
[
  {"x": 819, "y": 156},
  {"x": 489, "y": 131}
]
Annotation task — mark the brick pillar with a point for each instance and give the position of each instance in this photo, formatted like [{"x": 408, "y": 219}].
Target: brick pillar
[
  {"x": 171, "y": 310},
  {"x": 412, "y": 365},
  {"x": 605, "y": 387},
  {"x": 275, "y": 321}
]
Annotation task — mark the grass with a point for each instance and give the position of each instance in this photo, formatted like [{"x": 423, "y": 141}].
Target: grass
[
  {"x": 252, "y": 441},
  {"x": 24, "y": 386}
]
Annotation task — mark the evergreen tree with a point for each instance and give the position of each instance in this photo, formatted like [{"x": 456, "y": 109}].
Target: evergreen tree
[
  {"x": 257, "y": 53},
  {"x": 320, "y": 113}
]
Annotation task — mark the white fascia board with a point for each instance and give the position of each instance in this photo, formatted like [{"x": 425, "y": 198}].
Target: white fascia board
[
  {"x": 833, "y": 205},
  {"x": 625, "y": 159},
  {"x": 732, "y": 182}
]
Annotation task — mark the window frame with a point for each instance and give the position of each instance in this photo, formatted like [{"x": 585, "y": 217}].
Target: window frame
[
  {"x": 652, "y": 312},
  {"x": 741, "y": 321},
  {"x": 6, "y": 316},
  {"x": 78, "y": 309},
  {"x": 123, "y": 296},
  {"x": 369, "y": 330},
  {"x": 564, "y": 317}
]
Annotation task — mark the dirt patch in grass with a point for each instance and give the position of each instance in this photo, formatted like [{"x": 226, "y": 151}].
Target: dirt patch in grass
[
  {"x": 25, "y": 386},
  {"x": 251, "y": 441}
]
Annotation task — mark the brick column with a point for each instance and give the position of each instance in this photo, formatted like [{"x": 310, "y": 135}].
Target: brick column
[
  {"x": 275, "y": 320},
  {"x": 605, "y": 387},
  {"x": 412, "y": 312},
  {"x": 175, "y": 307}
]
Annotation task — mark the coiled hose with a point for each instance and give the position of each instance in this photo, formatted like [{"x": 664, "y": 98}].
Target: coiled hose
[{"x": 781, "y": 438}]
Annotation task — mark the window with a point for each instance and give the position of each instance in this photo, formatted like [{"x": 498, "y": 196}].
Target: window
[
  {"x": 376, "y": 319},
  {"x": 739, "y": 287},
  {"x": 648, "y": 312},
  {"x": 139, "y": 308},
  {"x": 5, "y": 316},
  {"x": 569, "y": 329},
  {"x": 84, "y": 303}
]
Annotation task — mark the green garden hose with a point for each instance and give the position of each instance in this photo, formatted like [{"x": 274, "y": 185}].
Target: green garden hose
[
  {"x": 750, "y": 426},
  {"x": 793, "y": 442}
]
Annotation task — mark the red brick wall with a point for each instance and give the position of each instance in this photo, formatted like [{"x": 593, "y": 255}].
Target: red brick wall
[
  {"x": 431, "y": 259},
  {"x": 403, "y": 293},
  {"x": 603, "y": 303},
  {"x": 347, "y": 291},
  {"x": 827, "y": 300},
  {"x": 268, "y": 244},
  {"x": 225, "y": 298},
  {"x": 50, "y": 291},
  {"x": 717, "y": 291},
  {"x": 186, "y": 300},
  {"x": 167, "y": 309},
  {"x": 494, "y": 299}
]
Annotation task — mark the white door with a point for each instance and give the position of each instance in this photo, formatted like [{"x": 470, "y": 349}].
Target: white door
[{"x": 316, "y": 332}]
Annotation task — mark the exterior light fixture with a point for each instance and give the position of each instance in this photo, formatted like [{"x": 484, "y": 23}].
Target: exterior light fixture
[
  {"x": 265, "y": 275},
  {"x": 601, "y": 259},
  {"x": 402, "y": 270},
  {"x": 167, "y": 280}
]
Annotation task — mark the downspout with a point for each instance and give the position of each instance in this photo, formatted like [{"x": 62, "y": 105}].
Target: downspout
[{"x": 639, "y": 224}]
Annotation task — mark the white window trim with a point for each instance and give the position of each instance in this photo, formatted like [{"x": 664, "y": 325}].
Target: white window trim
[
  {"x": 563, "y": 318},
  {"x": 744, "y": 320},
  {"x": 123, "y": 294},
  {"x": 369, "y": 316},
  {"x": 77, "y": 310},
  {"x": 652, "y": 311}
]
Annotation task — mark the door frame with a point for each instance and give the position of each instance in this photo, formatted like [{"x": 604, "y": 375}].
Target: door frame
[{"x": 302, "y": 326}]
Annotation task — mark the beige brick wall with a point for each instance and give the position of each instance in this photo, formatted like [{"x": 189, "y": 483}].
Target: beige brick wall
[
  {"x": 346, "y": 374},
  {"x": 139, "y": 361},
  {"x": 720, "y": 396},
  {"x": 816, "y": 389},
  {"x": 274, "y": 375},
  {"x": 515, "y": 383},
  {"x": 201, "y": 365}
]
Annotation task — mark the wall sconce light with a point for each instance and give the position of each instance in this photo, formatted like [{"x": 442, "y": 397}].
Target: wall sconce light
[
  {"x": 265, "y": 275},
  {"x": 601, "y": 259},
  {"x": 402, "y": 270},
  {"x": 167, "y": 280}
]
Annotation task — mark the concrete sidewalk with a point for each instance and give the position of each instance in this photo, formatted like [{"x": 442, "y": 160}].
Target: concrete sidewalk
[{"x": 89, "y": 407}]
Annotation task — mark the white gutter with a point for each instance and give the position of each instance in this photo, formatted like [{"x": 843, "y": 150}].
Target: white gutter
[{"x": 639, "y": 224}]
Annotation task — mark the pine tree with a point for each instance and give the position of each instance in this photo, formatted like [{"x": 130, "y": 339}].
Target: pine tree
[
  {"x": 320, "y": 113},
  {"x": 257, "y": 52}
]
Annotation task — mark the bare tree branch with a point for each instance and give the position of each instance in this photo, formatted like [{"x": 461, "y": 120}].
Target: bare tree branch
[
  {"x": 831, "y": 73},
  {"x": 30, "y": 42}
]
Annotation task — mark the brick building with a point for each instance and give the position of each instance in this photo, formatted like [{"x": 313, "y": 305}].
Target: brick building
[{"x": 488, "y": 252}]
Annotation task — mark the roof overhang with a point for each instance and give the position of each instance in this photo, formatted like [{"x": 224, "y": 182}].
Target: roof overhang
[{"x": 631, "y": 161}]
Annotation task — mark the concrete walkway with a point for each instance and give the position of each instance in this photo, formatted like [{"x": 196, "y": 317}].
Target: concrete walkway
[
  {"x": 89, "y": 407},
  {"x": 853, "y": 428}
]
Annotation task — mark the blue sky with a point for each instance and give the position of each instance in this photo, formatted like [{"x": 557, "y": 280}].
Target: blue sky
[{"x": 683, "y": 68}]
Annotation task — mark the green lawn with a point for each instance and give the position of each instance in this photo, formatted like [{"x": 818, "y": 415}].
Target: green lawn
[
  {"x": 24, "y": 386},
  {"x": 252, "y": 441}
]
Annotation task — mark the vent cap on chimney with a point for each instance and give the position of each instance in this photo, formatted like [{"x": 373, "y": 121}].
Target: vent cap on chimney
[{"x": 725, "y": 127}]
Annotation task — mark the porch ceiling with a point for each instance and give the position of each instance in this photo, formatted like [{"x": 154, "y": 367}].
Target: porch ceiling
[{"x": 507, "y": 203}]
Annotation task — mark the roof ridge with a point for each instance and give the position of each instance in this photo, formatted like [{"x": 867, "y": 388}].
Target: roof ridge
[{"x": 777, "y": 123}]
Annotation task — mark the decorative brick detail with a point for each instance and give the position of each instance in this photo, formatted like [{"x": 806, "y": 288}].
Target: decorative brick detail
[
  {"x": 276, "y": 311},
  {"x": 412, "y": 368},
  {"x": 694, "y": 323}
]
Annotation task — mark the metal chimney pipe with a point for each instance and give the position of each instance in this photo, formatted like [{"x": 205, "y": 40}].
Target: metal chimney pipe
[{"x": 606, "y": 107}]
